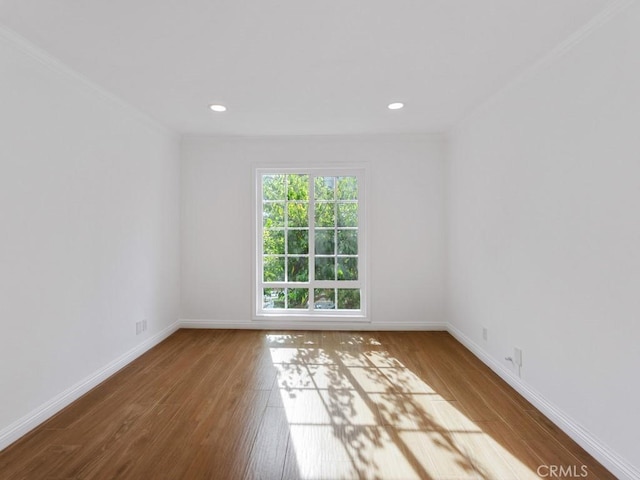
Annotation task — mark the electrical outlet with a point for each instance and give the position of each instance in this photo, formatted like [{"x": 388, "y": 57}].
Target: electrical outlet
[
  {"x": 141, "y": 327},
  {"x": 485, "y": 333},
  {"x": 517, "y": 356}
]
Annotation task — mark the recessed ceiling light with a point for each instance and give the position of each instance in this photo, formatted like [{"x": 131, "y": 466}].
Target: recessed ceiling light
[
  {"x": 395, "y": 106},
  {"x": 218, "y": 108}
]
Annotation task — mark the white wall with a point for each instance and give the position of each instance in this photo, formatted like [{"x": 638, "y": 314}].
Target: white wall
[
  {"x": 406, "y": 228},
  {"x": 544, "y": 237},
  {"x": 89, "y": 231}
]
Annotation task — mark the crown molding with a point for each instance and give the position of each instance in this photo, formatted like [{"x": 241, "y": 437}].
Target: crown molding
[
  {"x": 611, "y": 11},
  {"x": 47, "y": 60}
]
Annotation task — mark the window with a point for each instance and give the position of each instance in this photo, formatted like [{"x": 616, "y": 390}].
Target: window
[{"x": 310, "y": 243}]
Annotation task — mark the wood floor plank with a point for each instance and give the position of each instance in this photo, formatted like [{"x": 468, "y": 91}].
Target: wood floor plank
[
  {"x": 269, "y": 450},
  {"x": 142, "y": 450},
  {"x": 226, "y": 448},
  {"x": 516, "y": 453},
  {"x": 225, "y": 404},
  {"x": 23, "y": 459},
  {"x": 596, "y": 470}
]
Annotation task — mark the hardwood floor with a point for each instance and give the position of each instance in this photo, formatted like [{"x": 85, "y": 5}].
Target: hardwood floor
[{"x": 222, "y": 404}]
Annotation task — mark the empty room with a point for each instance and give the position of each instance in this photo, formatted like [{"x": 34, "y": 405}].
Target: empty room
[{"x": 320, "y": 240}]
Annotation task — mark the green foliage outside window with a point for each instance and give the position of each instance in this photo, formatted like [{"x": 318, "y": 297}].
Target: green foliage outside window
[
  {"x": 348, "y": 298},
  {"x": 347, "y": 188},
  {"x": 273, "y": 269},
  {"x": 273, "y": 187}
]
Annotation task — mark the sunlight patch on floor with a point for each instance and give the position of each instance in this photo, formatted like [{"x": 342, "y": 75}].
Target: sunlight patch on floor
[{"x": 366, "y": 415}]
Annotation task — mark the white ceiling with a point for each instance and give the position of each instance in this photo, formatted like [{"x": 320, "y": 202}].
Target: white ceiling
[{"x": 299, "y": 66}]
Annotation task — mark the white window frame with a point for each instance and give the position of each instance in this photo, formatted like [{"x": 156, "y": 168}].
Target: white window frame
[{"x": 310, "y": 313}]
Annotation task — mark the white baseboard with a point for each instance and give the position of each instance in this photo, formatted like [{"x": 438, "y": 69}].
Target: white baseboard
[
  {"x": 617, "y": 465},
  {"x": 284, "y": 324},
  {"x": 45, "y": 411}
]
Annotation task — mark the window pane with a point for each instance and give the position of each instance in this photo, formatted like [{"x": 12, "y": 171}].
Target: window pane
[
  {"x": 297, "y": 298},
  {"x": 273, "y": 187},
  {"x": 347, "y": 214},
  {"x": 347, "y": 188},
  {"x": 325, "y": 268},
  {"x": 349, "y": 298},
  {"x": 325, "y": 242},
  {"x": 347, "y": 242},
  {"x": 273, "y": 298},
  {"x": 298, "y": 214},
  {"x": 298, "y": 269},
  {"x": 298, "y": 187},
  {"x": 325, "y": 215},
  {"x": 324, "y": 188},
  {"x": 324, "y": 299},
  {"x": 298, "y": 241},
  {"x": 348, "y": 268},
  {"x": 273, "y": 242},
  {"x": 273, "y": 214},
  {"x": 273, "y": 269}
]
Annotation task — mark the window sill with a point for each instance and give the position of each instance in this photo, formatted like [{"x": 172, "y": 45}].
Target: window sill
[{"x": 324, "y": 318}]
